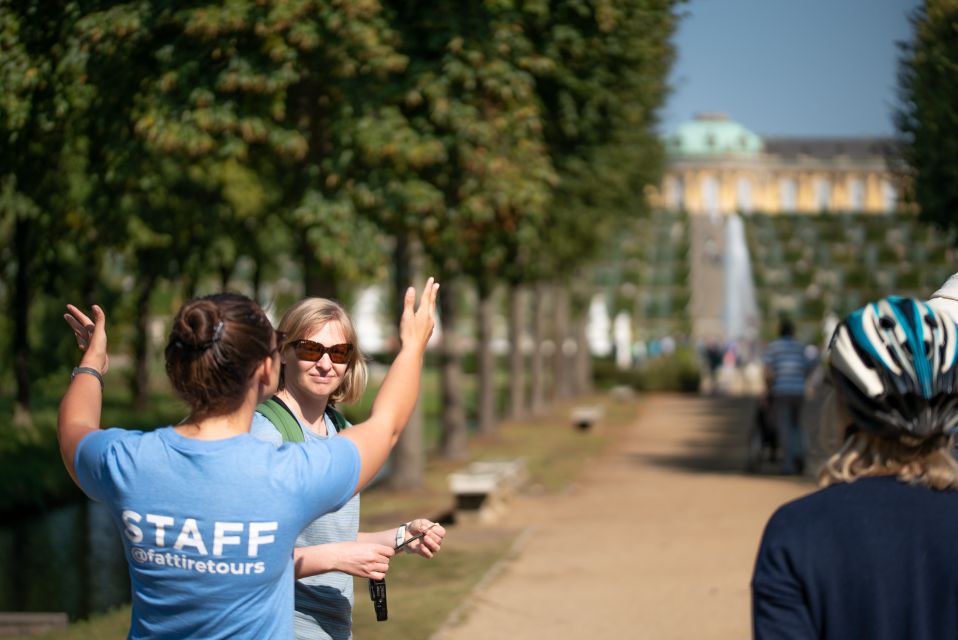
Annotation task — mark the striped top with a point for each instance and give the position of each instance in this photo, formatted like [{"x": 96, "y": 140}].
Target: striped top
[
  {"x": 324, "y": 603},
  {"x": 787, "y": 365},
  {"x": 945, "y": 300}
]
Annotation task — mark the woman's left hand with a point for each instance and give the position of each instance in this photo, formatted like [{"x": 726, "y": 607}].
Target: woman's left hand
[{"x": 429, "y": 544}]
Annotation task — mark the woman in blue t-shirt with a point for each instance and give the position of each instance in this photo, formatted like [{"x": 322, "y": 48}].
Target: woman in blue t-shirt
[
  {"x": 208, "y": 514},
  {"x": 321, "y": 366},
  {"x": 873, "y": 554}
]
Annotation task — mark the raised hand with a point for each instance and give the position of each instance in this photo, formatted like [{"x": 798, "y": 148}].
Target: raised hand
[
  {"x": 417, "y": 324},
  {"x": 90, "y": 336}
]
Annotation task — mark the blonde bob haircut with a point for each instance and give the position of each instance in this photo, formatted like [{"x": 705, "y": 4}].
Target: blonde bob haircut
[
  {"x": 311, "y": 314},
  {"x": 928, "y": 462}
]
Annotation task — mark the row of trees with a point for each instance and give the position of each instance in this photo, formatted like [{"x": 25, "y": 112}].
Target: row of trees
[
  {"x": 156, "y": 143},
  {"x": 928, "y": 116}
]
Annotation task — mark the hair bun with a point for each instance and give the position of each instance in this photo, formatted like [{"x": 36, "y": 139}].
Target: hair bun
[{"x": 198, "y": 325}]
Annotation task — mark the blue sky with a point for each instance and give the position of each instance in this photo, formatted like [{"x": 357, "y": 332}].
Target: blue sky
[{"x": 790, "y": 67}]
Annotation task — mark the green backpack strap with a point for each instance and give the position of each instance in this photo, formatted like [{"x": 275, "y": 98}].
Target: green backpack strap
[
  {"x": 284, "y": 421},
  {"x": 338, "y": 419}
]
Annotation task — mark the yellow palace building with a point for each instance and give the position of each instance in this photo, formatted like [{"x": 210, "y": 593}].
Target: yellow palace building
[{"x": 717, "y": 166}]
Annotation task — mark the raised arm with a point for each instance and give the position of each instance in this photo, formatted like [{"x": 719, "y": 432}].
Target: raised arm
[
  {"x": 81, "y": 404},
  {"x": 400, "y": 389}
]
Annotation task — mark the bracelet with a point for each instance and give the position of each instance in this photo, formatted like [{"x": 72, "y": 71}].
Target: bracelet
[
  {"x": 93, "y": 372},
  {"x": 401, "y": 533}
]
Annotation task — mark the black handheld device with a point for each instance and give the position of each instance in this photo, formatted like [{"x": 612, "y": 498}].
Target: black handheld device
[{"x": 377, "y": 592}]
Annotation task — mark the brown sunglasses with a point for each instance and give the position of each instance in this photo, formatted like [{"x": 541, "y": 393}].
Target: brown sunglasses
[{"x": 309, "y": 350}]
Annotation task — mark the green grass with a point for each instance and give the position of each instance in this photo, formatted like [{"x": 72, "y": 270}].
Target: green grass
[{"x": 106, "y": 626}]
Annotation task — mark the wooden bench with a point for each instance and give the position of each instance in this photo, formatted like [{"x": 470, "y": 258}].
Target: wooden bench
[
  {"x": 584, "y": 417},
  {"x": 31, "y": 623},
  {"x": 483, "y": 488}
]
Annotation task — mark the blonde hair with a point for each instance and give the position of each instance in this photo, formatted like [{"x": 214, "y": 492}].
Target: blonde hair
[
  {"x": 928, "y": 462},
  {"x": 311, "y": 314}
]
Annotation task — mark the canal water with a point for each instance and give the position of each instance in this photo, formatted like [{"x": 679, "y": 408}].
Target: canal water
[{"x": 68, "y": 559}]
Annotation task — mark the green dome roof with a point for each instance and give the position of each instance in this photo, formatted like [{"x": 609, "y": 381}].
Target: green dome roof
[{"x": 712, "y": 134}]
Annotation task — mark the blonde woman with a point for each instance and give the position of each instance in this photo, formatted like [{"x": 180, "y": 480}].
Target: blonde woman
[{"x": 321, "y": 367}]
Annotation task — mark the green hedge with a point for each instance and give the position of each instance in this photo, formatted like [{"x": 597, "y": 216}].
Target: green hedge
[{"x": 680, "y": 371}]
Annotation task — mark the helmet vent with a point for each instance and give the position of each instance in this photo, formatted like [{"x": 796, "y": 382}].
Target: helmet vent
[{"x": 895, "y": 364}]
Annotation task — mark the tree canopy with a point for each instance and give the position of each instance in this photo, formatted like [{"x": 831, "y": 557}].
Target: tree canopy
[
  {"x": 197, "y": 145},
  {"x": 928, "y": 117}
]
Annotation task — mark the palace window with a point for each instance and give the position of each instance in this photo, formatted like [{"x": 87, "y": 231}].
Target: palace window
[
  {"x": 823, "y": 194},
  {"x": 677, "y": 193},
  {"x": 889, "y": 196},
  {"x": 856, "y": 194},
  {"x": 710, "y": 194},
  {"x": 788, "y": 194},
  {"x": 743, "y": 195}
]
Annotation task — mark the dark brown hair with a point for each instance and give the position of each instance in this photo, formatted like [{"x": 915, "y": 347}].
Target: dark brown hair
[{"x": 215, "y": 345}]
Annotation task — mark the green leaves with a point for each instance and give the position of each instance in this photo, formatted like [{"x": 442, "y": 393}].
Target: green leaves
[
  {"x": 184, "y": 139},
  {"x": 928, "y": 117}
]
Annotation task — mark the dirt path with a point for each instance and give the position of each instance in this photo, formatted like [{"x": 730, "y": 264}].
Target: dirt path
[{"x": 656, "y": 541}]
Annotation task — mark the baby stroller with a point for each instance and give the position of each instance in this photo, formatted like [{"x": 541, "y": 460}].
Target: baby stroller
[{"x": 762, "y": 445}]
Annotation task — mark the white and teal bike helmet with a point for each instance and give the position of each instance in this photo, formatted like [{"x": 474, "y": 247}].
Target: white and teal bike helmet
[{"x": 894, "y": 364}]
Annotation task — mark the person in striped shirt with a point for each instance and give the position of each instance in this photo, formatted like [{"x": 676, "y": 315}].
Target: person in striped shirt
[{"x": 786, "y": 366}]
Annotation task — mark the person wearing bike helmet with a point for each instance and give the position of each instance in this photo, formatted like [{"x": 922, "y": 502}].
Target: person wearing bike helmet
[{"x": 873, "y": 553}]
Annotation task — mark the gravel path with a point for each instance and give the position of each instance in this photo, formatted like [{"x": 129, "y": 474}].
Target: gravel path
[{"x": 656, "y": 540}]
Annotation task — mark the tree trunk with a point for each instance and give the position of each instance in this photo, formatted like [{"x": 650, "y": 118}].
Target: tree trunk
[
  {"x": 409, "y": 456},
  {"x": 583, "y": 356},
  {"x": 452, "y": 443},
  {"x": 22, "y": 294},
  {"x": 487, "y": 363},
  {"x": 190, "y": 283},
  {"x": 90, "y": 279},
  {"x": 141, "y": 343},
  {"x": 517, "y": 372},
  {"x": 562, "y": 377},
  {"x": 257, "y": 280},
  {"x": 226, "y": 271},
  {"x": 539, "y": 333},
  {"x": 317, "y": 282}
]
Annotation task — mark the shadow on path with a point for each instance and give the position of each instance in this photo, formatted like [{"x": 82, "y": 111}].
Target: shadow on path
[{"x": 719, "y": 446}]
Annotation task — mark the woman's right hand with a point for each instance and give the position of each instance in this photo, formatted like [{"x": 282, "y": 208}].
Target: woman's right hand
[
  {"x": 91, "y": 336},
  {"x": 416, "y": 325},
  {"x": 362, "y": 559}
]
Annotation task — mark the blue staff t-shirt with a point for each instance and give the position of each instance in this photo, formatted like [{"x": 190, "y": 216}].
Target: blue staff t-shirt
[{"x": 209, "y": 525}]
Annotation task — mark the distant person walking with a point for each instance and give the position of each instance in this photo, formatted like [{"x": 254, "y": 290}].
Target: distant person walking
[{"x": 786, "y": 366}]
